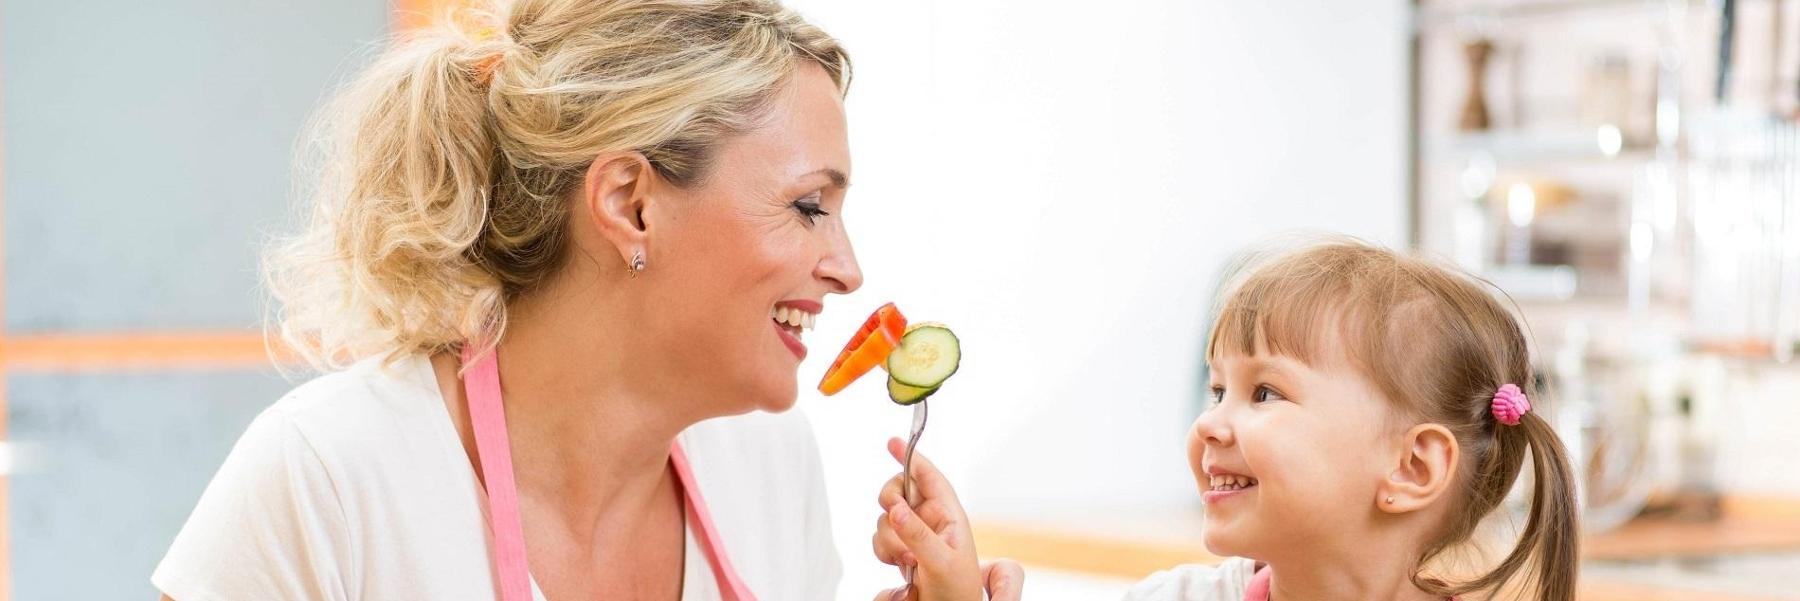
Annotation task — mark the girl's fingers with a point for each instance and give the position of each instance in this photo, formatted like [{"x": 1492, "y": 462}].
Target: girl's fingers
[
  {"x": 888, "y": 546},
  {"x": 927, "y": 549},
  {"x": 1003, "y": 579},
  {"x": 935, "y": 512},
  {"x": 930, "y": 482},
  {"x": 889, "y": 491},
  {"x": 904, "y": 593}
]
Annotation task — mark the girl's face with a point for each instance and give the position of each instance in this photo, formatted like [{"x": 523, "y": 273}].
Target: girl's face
[{"x": 1289, "y": 455}]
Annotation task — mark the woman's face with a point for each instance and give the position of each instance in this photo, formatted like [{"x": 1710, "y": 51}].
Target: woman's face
[{"x": 760, "y": 238}]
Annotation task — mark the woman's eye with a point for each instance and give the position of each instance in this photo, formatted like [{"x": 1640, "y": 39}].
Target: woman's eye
[
  {"x": 809, "y": 209},
  {"x": 1265, "y": 394}
]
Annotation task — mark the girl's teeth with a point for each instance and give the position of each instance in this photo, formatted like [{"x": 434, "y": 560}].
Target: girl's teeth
[{"x": 1231, "y": 482}]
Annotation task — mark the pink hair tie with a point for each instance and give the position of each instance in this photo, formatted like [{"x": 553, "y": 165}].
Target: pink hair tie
[{"x": 1510, "y": 404}]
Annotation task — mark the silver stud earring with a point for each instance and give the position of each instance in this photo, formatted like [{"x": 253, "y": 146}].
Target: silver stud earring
[{"x": 637, "y": 264}]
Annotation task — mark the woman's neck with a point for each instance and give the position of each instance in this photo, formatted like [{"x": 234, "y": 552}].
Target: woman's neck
[{"x": 589, "y": 437}]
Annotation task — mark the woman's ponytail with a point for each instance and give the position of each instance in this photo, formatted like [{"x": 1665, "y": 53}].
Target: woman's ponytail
[{"x": 405, "y": 173}]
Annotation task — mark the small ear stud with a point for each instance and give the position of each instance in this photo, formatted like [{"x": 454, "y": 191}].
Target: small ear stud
[
  {"x": 636, "y": 265},
  {"x": 1390, "y": 500}
]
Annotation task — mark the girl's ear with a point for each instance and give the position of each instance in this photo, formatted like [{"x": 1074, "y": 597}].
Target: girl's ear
[{"x": 1422, "y": 471}]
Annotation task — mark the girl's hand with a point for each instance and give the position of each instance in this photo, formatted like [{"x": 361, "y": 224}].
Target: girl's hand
[{"x": 935, "y": 539}]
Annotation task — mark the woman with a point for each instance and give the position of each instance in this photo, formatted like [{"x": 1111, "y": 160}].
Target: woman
[{"x": 618, "y": 216}]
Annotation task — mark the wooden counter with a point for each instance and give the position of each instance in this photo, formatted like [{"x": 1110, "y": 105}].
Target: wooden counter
[{"x": 1133, "y": 543}]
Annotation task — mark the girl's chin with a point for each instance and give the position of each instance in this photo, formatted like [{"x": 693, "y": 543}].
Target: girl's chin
[{"x": 1222, "y": 540}]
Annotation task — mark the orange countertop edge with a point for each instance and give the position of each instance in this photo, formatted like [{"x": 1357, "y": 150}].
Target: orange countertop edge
[{"x": 1751, "y": 525}]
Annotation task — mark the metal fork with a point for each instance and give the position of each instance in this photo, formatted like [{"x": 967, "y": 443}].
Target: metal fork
[{"x": 906, "y": 477}]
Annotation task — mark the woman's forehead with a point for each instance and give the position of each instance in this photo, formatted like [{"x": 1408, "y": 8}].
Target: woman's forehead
[{"x": 801, "y": 138}]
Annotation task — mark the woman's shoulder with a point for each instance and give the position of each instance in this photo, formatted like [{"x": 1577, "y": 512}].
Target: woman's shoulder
[
  {"x": 347, "y": 457},
  {"x": 368, "y": 421},
  {"x": 1196, "y": 582},
  {"x": 371, "y": 388}
]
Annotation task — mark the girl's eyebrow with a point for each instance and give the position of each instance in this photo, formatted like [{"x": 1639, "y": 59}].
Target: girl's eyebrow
[{"x": 1265, "y": 367}]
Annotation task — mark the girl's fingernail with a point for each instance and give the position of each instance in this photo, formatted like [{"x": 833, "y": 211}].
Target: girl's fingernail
[{"x": 899, "y": 514}]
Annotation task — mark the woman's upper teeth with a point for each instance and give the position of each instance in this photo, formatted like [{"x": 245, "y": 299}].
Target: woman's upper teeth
[
  {"x": 1231, "y": 482},
  {"x": 794, "y": 317}
]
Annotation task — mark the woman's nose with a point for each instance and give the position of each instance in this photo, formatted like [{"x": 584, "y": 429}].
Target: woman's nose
[{"x": 839, "y": 266}]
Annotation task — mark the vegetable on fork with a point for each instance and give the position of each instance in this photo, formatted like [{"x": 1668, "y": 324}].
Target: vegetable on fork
[
  {"x": 868, "y": 348},
  {"x": 918, "y": 358}
]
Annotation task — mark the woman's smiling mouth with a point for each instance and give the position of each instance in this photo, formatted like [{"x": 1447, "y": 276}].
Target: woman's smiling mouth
[{"x": 792, "y": 319}]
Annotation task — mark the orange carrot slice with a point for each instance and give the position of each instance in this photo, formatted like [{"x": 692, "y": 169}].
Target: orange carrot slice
[{"x": 868, "y": 348}]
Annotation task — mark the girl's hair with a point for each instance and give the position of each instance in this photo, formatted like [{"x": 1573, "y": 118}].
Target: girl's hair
[
  {"x": 1439, "y": 346},
  {"x": 443, "y": 170}
]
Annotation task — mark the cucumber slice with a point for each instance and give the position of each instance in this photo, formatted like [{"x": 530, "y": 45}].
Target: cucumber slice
[
  {"x": 928, "y": 354},
  {"x": 907, "y": 395}
]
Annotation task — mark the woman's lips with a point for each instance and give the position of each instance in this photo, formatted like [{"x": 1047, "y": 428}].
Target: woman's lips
[{"x": 793, "y": 343}]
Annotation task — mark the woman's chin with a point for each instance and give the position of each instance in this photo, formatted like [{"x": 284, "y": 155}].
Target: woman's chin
[
  {"x": 775, "y": 397},
  {"x": 778, "y": 404}
]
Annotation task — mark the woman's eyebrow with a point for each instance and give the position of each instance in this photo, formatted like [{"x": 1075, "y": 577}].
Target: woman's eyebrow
[{"x": 838, "y": 179}]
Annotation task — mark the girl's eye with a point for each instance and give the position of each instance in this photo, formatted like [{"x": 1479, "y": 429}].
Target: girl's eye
[
  {"x": 809, "y": 209},
  {"x": 1265, "y": 394},
  {"x": 1218, "y": 394}
]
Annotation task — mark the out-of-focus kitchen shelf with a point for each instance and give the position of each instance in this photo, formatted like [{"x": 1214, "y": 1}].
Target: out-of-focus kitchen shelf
[
  {"x": 1584, "y": 148},
  {"x": 1136, "y": 542},
  {"x": 1461, "y": 15}
]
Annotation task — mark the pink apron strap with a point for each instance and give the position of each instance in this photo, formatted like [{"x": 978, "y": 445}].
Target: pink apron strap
[
  {"x": 731, "y": 587},
  {"x": 487, "y": 416},
  {"x": 1258, "y": 590}
]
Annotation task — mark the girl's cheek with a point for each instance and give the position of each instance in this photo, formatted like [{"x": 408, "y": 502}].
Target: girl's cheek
[{"x": 1196, "y": 448}]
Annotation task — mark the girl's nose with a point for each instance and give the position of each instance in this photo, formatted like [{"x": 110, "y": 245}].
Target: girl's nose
[{"x": 1213, "y": 428}]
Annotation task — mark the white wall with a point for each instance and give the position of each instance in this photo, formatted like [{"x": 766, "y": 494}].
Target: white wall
[{"x": 1060, "y": 181}]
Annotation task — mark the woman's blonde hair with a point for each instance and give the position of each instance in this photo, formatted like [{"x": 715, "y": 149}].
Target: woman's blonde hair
[
  {"x": 440, "y": 175},
  {"x": 1439, "y": 345}
]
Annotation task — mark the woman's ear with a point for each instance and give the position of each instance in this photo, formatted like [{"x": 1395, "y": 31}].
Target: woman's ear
[
  {"x": 615, "y": 194},
  {"x": 1425, "y": 468}
]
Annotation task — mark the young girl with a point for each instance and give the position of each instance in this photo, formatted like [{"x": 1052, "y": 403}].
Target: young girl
[{"x": 1369, "y": 409}]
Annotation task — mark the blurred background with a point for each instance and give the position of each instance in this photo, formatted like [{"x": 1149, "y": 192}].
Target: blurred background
[{"x": 1628, "y": 170}]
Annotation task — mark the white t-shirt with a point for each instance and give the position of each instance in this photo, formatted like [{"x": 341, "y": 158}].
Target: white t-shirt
[
  {"x": 1224, "y": 582},
  {"x": 355, "y": 487}
]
